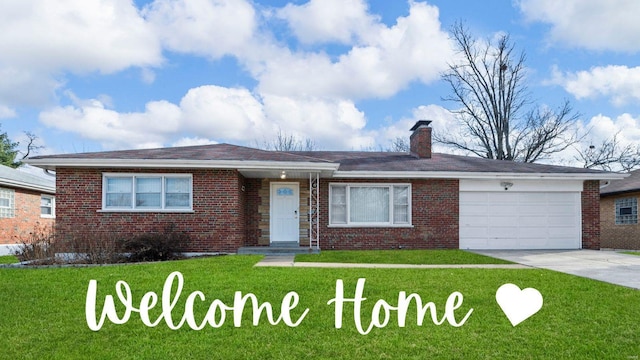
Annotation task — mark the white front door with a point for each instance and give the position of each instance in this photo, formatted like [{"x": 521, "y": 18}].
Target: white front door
[{"x": 285, "y": 212}]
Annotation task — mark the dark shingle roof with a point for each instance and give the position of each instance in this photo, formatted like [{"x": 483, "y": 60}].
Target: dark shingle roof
[
  {"x": 394, "y": 161},
  {"x": 199, "y": 152},
  {"x": 348, "y": 160},
  {"x": 16, "y": 178},
  {"x": 629, "y": 184}
]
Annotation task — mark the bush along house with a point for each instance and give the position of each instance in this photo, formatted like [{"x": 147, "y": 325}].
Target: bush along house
[{"x": 229, "y": 197}]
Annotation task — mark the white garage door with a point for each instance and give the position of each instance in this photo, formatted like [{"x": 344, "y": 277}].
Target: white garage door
[{"x": 520, "y": 220}]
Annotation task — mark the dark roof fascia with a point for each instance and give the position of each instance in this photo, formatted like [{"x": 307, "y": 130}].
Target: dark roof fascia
[{"x": 622, "y": 192}]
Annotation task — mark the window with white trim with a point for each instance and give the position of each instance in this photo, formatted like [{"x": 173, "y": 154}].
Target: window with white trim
[
  {"x": 147, "y": 192},
  {"x": 627, "y": 211},
  {"x": 7, "y": 203},
  {"x": 47, "y": 206},
  {"x": 369, "y": 204}
]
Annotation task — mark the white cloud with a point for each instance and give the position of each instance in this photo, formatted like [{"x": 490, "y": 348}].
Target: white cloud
[
  {"x": 204, "y": 27},
  {"x": 385, "y": 62},
  {"x": 592, "y": 24},
  {"x": 92, "y": 120},
  {"x": 329, "y": 20},
  {"x": 76, "y": 35},
  {"x": 6, "y": 112},
  {"x": 193, "y": 141},
  {"x": 619, "y": 83},
  {"x": 309, "y": 94},
  {"x": 210, "y": 114},
  {"x": 223, "y": 113},
  {"x": 326, "y": 121},
  {"x": 443, "y": 121},
  {"x": 40, "y": 40},
  {"x": 603, "y": 128}
]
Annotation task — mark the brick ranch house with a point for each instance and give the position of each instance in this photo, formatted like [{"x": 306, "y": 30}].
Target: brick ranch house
[
  {"x": 228, "y": 197},
  {"x": 619, "y": 213},
  {"x": 26, "y": 202}
]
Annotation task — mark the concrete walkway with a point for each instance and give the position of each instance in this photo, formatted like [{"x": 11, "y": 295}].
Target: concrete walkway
[
  {"x": 288, "y": 261},
  {"x": 603, "y": 265},
  {"x": 607, "y": 266}
]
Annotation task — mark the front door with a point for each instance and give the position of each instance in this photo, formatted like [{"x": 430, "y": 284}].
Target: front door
[{"x": 285, "y": 222}]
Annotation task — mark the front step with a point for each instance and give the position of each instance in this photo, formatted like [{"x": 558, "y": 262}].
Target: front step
[{"x": 276, "y": 250}]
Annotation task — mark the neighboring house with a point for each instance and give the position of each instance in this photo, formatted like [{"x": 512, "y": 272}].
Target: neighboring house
[
  {"x": 228, "y": 196},
  {"x": 26, "y": 202},
  {"x": 619, "y": 213}
]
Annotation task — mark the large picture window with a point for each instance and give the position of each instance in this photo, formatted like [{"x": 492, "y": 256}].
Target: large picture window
[
  {"x": 147, "y": 192},
  {"x": 370, "y": 205},
  {"x": 627, "y": 211}
]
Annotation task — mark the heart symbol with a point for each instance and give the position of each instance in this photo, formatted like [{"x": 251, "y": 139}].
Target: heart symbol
[{"x": 518, "y": 304}]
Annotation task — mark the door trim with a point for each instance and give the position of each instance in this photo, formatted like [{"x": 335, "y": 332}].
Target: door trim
[{"x": 272, "y": 187}]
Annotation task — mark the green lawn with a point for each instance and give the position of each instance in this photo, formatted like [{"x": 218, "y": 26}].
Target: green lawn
[
  {"x": 399, "y": 257},
  {"x": 632, "y": 252},
  {"x": 8, "y": 259},
  {"x": 42, "y": 314}
]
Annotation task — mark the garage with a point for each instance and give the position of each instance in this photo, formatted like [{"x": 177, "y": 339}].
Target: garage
[{"x": 520, "y": 215}]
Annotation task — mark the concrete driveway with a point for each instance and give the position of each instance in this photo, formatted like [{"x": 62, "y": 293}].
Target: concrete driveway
[{"x": 603, "y": 265}]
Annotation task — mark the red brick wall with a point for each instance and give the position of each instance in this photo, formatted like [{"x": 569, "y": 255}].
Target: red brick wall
[
  {"x": 591, "y": 215},
  {"x": 27, "y": 218},
  {"x": 617, "y": 236},
  {"x": 216, "y": 224},
  {"x": 420, "y": 142},
  {"x": 435, "y": 219}
]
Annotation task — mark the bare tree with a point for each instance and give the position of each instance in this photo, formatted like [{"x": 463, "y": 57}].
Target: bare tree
[
  {"x": 610, "y": 155},
  {"x": 495, "y": 108},
  {"x": 287, "y": 142},
  {"x": 31, "y": 145},
  {"x": 399, "y": 144}
]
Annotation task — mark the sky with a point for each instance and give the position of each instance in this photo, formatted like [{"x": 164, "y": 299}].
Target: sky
[{"x": 95, "y": 75}]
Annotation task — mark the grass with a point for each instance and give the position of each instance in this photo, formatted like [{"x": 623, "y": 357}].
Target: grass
[
  {"x": 8, "y": 259},
  {"x": 632, "y": 252},
  {"x": 400, "y": 257},
  {"x": 42, "y": 314}
]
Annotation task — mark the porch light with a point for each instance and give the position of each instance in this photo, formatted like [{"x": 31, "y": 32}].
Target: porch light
[{"x": 283, "y": 175}]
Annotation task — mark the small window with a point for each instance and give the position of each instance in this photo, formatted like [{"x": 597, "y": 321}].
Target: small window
[
  {"x": 626, "y": 211},
  {"x": 370, "y": 204},
  {"x": 147, "y": 192},
  {"x": 7, "y": 203},
  {"x": 47, "y": 206}
]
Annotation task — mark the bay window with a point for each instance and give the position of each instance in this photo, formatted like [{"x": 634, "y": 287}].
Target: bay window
[
  {"x": 147, "y": 192},
  {"x": 369, "y": 204}
]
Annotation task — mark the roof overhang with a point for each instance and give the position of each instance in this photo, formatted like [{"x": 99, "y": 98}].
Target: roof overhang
[
  {"x": 248, "y": 165},
  {"x": 255, "y": 168},
  {"x": 26, "y": 186},
  {"x": 474, "y": 175}
]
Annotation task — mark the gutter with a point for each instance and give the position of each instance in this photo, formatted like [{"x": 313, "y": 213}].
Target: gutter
[
  {"x": 21, "y": 185},
  {"x": 474, "y": 175},
  {"x": 52, "y": 164}
]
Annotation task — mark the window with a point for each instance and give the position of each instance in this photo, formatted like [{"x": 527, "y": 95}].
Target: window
[
  {"x": 47, "y": 206},
  {"x": 370, "y": 205},
  {"x": 147, "y": 192},
  {"x": 626, "y": 211},
  {"x": 7, "y": 203}
]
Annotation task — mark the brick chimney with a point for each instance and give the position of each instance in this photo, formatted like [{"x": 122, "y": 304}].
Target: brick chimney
[{"x": 420, "y": 140}]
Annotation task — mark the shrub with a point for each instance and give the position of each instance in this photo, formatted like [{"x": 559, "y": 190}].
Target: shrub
[
  {"x": 44, "y": 246},
  {"x": 37, "y": 245},
  {"x": 156, "y": 246}
]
